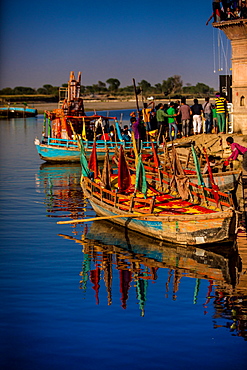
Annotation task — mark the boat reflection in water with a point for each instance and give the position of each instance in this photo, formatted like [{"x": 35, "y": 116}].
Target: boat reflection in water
[
  {"x": 138, "y": 259},
  {"x": 109, "y": 249},
  {"x": 63, "y": 194}
]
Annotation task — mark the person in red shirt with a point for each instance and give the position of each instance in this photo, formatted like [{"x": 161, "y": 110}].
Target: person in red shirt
[{"x": 236, "y": 150}]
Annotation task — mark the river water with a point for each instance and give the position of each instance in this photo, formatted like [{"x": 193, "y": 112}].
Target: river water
[{"x": 93, "y": 296}]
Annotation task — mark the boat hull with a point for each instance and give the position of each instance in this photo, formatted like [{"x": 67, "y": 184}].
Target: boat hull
[
  {"x": 15, "y": 112},
  {"x": 197, "y": 229},
  {"x": 55, "y": 154},
  {"x": 51, "y": 153}
]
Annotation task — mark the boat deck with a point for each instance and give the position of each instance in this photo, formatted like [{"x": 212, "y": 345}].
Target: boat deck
[{"x": 166, "y": 203}]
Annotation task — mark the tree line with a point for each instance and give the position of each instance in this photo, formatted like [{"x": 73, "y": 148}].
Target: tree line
[{"x": 172, "y": 87}]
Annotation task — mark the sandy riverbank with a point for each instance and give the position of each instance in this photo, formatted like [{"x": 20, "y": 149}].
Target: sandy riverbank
[
  {"x": 98, "y": 105},
  {"x": 92, "y": 105}
]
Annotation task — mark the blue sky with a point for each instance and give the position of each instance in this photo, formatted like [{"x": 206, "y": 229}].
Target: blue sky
[{"x": 42, "y": 41}]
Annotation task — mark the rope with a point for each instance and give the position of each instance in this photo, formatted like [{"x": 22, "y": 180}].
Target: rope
[{"x": 214, "y": 50}]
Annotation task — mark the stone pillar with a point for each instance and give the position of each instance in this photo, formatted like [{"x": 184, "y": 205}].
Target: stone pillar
[{"x": 236, "y": 31}]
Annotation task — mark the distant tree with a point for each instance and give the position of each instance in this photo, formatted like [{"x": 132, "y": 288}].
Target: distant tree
[
  {"x": 101, "y": 87},
  {"x": 101, "y": 84},
  {"x": 114, "y": 84},
  {"x": 144, "y": 85},
  {"x": 128, "y": 90},
  {"x": 21, "y": 90},
  {"x": 82, "y": 89},
  {"x": 199, "y": 89},
  {"x": 172, "y": 85},
  {"x": 48, "y": 90},
  {"x": 202, "y": 88},
  {"x": 7, "y": 91},
  {"x": 89, "y": 89},
  {"x": 41, "y": 91},
  {"x": 158, "y": 88}
]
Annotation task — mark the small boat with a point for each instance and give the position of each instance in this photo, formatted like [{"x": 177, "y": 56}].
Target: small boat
[
  {"x": 66, "y": 126},
  {"x": 61, "y": 139},
  {"x": 15, "y": 112},
  {"x": 226, "y": 180},
  {"x": 193, "y": 215}
]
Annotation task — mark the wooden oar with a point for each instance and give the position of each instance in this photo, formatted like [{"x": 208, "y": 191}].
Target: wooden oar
[{"x": 106, "y": 218}]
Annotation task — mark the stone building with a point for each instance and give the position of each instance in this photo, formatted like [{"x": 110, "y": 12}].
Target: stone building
[{"x": 236, "y": 31}]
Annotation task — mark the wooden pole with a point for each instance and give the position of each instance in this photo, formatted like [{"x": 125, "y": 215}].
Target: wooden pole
[
  {"x": 137, "y": 104},
  {"x": 128, "y": 215}
]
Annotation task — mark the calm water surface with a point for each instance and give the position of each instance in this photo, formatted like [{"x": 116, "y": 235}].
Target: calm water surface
[{"x": 93, "y": 296}]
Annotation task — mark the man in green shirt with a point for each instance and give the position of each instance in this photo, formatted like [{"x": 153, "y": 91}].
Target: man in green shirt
[
  {"x": 162, "y": 122},
  {"x": 172, "y": 122}
]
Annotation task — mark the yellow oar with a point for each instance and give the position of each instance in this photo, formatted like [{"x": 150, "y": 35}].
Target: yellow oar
[{"x": 105, "y": 218}]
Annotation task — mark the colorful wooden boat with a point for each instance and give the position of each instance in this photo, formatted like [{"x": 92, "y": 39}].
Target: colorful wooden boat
[
  {"x": 64, "y": 128},
  {"x": 203, "y": 216},
  {"x": 226, "y": 181},
  {"x": 15, "y": 112}
]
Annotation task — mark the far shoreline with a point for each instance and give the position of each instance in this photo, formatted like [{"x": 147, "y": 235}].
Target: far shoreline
[{"x": 98, "y": 105}]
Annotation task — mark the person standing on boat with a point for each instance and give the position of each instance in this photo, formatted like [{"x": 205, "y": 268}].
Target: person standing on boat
[
  {"x": 207, "y": 110},
  {"x": 212, "y": 164},
  {"x": 236, "y": 150},
  {"x": 171, "y": 111},
  {"x": 134, "y": 126},
  {"x": 126, "y": 134},
  {"x": 146, "y": 115},
  {"x": 162, "y": 123},
  {"x": 197, "y": 112},
  {"x": 220, "y": 103},
  {"x": 185, "y": 112}
]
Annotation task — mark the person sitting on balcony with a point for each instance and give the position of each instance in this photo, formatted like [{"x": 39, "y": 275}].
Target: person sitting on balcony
[
  {"x": 237, "y": 13},
  {"x": 229, "y": 14}
]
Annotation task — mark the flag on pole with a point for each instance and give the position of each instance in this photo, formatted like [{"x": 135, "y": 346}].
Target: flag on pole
[
  {"x": 134, "y": 147},
  {"x": 141, "y": 181},
  {"x": 197, "y": 165},
  {"x": 84, "y": 165},
  {"x": 124, "y": 178},
  {"x": 211, "y": 178},
  {"x": 156, "y": 158},
  {"x": 93, "y": 162},
  {"x": 179, "y": 179},
  {"x": 106, "y": 172},
  {"x": 83, "y": 134}
]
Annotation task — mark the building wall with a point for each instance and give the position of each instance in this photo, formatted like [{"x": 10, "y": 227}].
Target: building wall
[{"x": 236, "y": 31}]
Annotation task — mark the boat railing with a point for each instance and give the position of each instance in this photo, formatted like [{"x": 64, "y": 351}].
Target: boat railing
[
  {"x": 210, "y": 197},
  {"x": 103, "y": 144},
  {"x": 119, "y": 200},
  {"x": 199, "y": 195},
  {"x": 68, "y": 143},
  {"x": 127, "y": 145},
  {"x": 147, "y": 144}
]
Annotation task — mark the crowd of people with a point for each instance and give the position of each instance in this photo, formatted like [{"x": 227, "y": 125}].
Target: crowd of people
[
  {"x": 227, "y": 10},
  {"x": 178, "y": 119}
]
